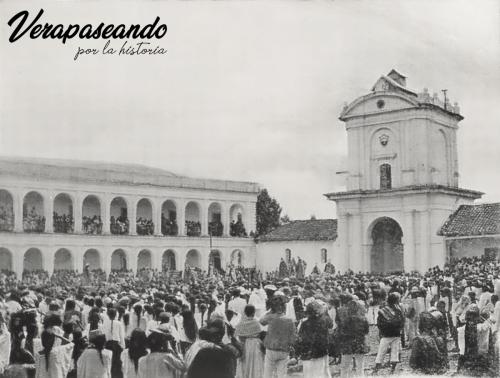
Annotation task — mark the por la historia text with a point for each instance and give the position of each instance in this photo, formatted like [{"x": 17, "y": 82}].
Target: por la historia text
[
  {"x": 140, "y": 48},
  {"x": 38, "y": 30}
]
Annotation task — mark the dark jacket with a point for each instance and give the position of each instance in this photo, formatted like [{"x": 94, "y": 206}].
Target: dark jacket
[
  {"x": 352, "y": 329},
  {"x": 313, "y": 337},
  {"x": 390, "y": 321}
]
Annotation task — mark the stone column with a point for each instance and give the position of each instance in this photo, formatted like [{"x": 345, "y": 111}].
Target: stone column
[
  {"x": 18, "y": 212},
  {"x": 17, "y": 261},
  {"x": 343, "y": 251},
  {"x": 225, "y": 219},
  {"x": 409, "y": 241},
  {"x": 156, "y": 256},
  {"x": 48, "y": 260},
  {"x": 105, "y": 215},
  {"x": 356, "y": 263},
  {"x": 204, "y": 217},
  {"x": 250, "y": 217},
  {"x": 181, "y": 217},
  {"x": 105, "y": 258},
  {"x": 77, "y": 214},
  {"x": 77, "y": 255},
  {"x": 48, "y": 204},
  {"x": 132, "y": 257},
  {"x": 132, "y": 215},
  {"x": 157, "y": 216},
  {"x": 423, "y": 256}
]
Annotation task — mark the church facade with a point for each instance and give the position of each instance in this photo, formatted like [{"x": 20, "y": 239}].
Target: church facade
[
  {"x": 402, "y": 185},
  {"x": 402, "y": 180}
]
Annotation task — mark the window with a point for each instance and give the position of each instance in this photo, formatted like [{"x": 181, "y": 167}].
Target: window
[
  {"x": 385, "y": 176},
  {"x": 324, "y": 255},
  {"x": 288, "y": 255}
]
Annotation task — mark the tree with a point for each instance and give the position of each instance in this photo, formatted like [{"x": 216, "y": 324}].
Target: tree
[
  {"x": 285, "y": 219},
  {"x": 268, "y": 213},
  {"x": 313, "y": 217}
]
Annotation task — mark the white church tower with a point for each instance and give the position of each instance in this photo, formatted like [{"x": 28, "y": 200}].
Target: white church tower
[{"x": 402, "y": 179}]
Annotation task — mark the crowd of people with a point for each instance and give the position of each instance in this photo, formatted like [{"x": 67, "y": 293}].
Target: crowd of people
[
  {"x": 119, "y": 225},
  {"x": 92, "y": 225},
  {"x": 216, "y": 228},
  {"x": 237, "y": 228},
  {"x": 63, "y": 223},
  {"x": 169, "y": 226},
  {"x": 193, "y": 228},
  {"x": 6, "y": 218},
  {"x": 33, "y": 222},
  {"x": 240, "y": 324},
  {"x": 145, "y": 226}
]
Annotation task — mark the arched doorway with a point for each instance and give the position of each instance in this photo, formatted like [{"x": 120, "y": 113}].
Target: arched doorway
[
  {"x": 193, "y": 259},
  {"x": 5, "y": 259},
  {"x": 387, "y": 248},
  {"x": 168, "y": 260},
  {"x": 214, "y": 260},
  {"x": 144, "y": 260},
  {"x": 33, "y": 213},
  {"x": 33, "y": 260},
  {"x": 169, "y": 218},
  {"x": 63, "y": 260},
  {"x": 215, "y": 227},
  {"x": 92, "y": 259},
  {"x": 118, "y": 260},
  {"x": 119, "y": 222},
  {"x": 91, "y": 215},
  {"x": 193, "y": 225},
  {"x": 144, "y": 221},
  {"x": 62, "y": 217},
  {"x": 6, "y": 211},
  {"x": 237, "y": 226},
  {"x": 237, "y": 257}
]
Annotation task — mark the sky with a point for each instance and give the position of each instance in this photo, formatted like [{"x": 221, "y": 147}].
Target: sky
[{"x": 248, "y": 90}]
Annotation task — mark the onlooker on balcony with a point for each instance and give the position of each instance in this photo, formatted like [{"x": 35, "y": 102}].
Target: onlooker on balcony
[
  {"x": 6, "y": 219},
  {"x": 193, "y": 228},
  {"x": 32, "y": 222}
]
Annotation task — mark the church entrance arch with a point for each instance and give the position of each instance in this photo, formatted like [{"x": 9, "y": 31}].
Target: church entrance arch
[{"x": 387, "y": 247}]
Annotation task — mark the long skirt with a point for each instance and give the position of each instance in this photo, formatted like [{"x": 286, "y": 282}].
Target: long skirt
[
  {"x": 316, "y": 368},
  {"x": 251, "y": 363},
  {"x": 116, "y": 363}
]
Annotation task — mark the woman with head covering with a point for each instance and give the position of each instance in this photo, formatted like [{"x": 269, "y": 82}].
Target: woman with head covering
[
  {"x": 248, "y": 331},
  {"x": 473, "y": 341},
  {"x": 95, "y": 361},
  {"x": 312, "y": 342},
  {"x": 426, "y": 355}
]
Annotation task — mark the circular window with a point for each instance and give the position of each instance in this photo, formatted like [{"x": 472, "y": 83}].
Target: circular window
[{"x": 380, "y": 104}]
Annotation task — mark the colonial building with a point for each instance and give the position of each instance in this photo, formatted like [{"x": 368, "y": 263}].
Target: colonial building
[
  {"x": 473, "y": 230},
  {"x": 57, "y": 214},
  {"x": 311, "y": 240}
]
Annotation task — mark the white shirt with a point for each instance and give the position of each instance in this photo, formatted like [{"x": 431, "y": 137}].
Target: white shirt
[
  {"x": 113, "y": 329},
  {"x": 237, "y": 305}
]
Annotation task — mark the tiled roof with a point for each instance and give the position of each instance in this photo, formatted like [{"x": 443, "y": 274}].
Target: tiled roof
[
  {"x": 307, "y": 230},
  {"x": 473, "y": 220}
]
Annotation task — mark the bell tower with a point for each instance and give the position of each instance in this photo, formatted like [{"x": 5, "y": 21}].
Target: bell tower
[{"x": 401, "y": 179}]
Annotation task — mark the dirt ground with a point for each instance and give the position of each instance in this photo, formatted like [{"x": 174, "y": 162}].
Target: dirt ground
[{"x": 402, "y": 368}]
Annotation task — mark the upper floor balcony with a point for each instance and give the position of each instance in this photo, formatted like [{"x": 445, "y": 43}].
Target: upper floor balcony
[{"x": 33, "y": 211}]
